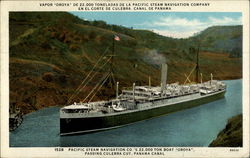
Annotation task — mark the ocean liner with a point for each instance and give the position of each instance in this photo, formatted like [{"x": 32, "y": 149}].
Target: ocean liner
[{"x": 137, "y": 104}]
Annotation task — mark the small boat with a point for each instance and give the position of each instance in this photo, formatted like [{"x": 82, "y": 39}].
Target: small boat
[{"x": 117, "y": 107}]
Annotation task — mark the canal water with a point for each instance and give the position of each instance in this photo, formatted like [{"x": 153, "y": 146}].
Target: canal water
[{"x": 195, "y": 127}]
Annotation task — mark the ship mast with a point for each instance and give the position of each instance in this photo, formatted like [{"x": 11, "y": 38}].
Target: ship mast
[
  {"x": 111, "y": 68},
  {"x": 197, "y": 61},
  {"x": 197, "y": 67},
  {"x": 107, "y": 78},
  {"x": 197, "y": 64}
]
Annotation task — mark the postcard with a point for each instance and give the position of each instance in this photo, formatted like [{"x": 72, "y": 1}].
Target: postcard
[{"x": 125, "y": 78}]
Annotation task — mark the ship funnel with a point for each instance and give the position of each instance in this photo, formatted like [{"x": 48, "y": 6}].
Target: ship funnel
[{"x": 164, "y": 70}]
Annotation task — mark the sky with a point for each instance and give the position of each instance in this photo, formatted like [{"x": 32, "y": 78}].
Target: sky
[{"x": 170, "y": 24}]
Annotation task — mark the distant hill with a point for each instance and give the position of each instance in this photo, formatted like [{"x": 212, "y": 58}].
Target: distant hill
[
  {"x": 51, "y": 53},
  {"x": 227, "y": 39}
]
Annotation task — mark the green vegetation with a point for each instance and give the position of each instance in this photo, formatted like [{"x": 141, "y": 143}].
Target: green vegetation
[
  {"x": 231, "y": 135},
  {"x": 52, "y": 52},
  {"x": 222, "y": 39}
]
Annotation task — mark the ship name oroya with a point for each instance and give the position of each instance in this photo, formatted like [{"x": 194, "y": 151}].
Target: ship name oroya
[{"x": 137, "y": 104}]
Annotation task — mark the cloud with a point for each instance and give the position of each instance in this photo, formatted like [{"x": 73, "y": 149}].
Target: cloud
[
  {"x": 171, "y": 21},
  {"x": 224, "y": 21},
  {"x": 175, "y": 34},
  {"x": 183, "y": 27}
]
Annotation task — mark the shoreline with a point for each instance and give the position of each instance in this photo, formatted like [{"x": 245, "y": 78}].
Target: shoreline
[{"x": 231, "y": 134}]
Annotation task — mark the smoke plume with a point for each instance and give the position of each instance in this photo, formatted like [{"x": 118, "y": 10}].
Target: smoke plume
[{"x": 154, "y": 58}]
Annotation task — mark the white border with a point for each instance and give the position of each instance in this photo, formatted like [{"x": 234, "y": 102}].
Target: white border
[{"x": 215, "y": 6}]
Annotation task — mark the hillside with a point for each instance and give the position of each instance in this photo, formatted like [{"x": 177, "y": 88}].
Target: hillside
[
  {"x": 231, "y": 135},
  {"x": 52, "y": 53},
  {"x": 222, "y": 39}
]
